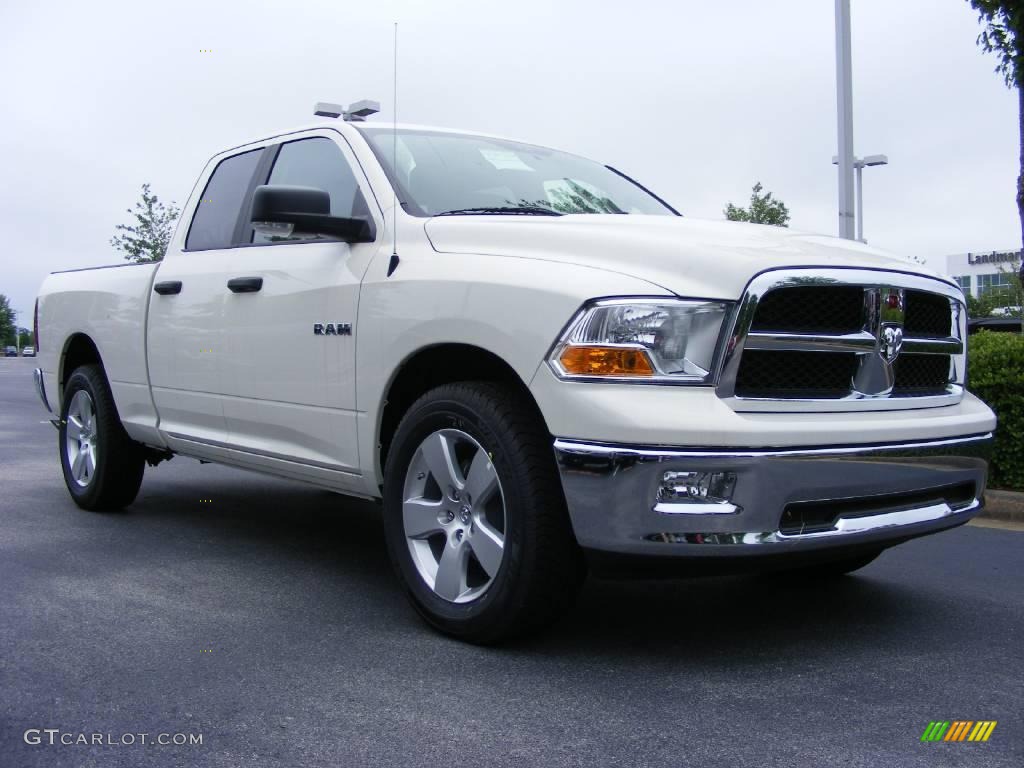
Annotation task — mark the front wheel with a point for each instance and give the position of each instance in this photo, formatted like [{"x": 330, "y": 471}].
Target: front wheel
[
  {"x": 102, "y": 466},
  {"x": 474, "y": 514}
]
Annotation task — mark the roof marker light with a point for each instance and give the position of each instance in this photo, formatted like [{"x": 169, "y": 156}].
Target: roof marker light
[{"x": 357, "y": 111}]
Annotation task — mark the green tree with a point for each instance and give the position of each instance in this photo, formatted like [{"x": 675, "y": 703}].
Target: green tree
[
  {"x": 764, "y": 209},
  {"x": 981, "y": 306},
  {"x": 25, "y": 338},
  {"x": 147, "y": 239},
  {"x": 6, "y": 321},
  {"x": 1003, "y": 35}
]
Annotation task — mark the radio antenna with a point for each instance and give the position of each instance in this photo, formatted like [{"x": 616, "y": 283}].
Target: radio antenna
[{"x": 393, "y": 264}]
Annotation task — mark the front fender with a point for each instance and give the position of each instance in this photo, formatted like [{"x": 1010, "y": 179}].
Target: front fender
[{"x": 511, "y": 307}]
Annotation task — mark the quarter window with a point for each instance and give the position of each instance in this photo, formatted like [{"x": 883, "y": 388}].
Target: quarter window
[
  {"x": 213, "y": 224},
  {"x": 318, "y": 163}
]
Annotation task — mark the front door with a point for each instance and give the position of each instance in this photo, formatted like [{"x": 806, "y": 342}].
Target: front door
[{"x": 290, "y": 333}]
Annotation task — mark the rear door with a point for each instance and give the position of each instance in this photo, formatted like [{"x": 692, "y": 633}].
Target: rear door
[
  {"x": 185, "y": 329},
  {"x": 290, "y": 390}
]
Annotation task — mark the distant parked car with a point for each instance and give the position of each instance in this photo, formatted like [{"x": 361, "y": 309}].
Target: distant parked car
[
  {"x": 28, "y": 352},
  {"x": 1006, "y": 324},
  {"x": 1006, "y": 312},
  {"x": 10, "y": 352}
]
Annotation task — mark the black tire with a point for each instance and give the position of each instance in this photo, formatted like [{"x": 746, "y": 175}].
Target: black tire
[
  {"x": 119, "y": 461},
  {"x": 542, "y": 567},
  {"x": 830, "y": 569}
]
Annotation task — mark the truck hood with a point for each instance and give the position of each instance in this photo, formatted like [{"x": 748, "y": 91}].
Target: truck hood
[{"x": 690, "y": 257}]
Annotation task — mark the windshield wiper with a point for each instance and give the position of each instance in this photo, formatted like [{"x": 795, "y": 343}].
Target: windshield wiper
[{"x": 525, "y": 210}]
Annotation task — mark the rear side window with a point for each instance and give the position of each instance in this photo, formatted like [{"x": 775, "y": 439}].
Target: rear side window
[
  {"x": 213, "y": 225},
  {"x": 317, "y": 163}
]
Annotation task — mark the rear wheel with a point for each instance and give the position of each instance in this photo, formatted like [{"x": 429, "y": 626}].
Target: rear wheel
[
  {"x": 102, "y": 466},
  {"x": 475, "y": 517}
]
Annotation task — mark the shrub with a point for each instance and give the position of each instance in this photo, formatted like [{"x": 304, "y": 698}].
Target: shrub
[{"x": 995, "y": 373}]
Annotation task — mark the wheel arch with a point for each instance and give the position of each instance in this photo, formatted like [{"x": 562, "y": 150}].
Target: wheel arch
[
  {"x": 433, "y": 366},
  {"x": 79, "y": 349}
]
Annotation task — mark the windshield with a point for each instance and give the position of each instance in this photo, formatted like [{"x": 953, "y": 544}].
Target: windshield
[{"x": 439, "y": 173}]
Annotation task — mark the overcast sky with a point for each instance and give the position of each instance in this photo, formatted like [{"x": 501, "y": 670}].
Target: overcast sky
[{"x": 697, "y": 100}]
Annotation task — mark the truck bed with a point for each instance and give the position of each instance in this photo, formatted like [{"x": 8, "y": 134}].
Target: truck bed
[{"x": 108, "y": 304}]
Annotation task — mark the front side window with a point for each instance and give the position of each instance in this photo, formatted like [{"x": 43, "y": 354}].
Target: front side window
[
  {"x": 318, "y": 163},
  {"x": 213, "y": 223},
  {"x": 444, "y": 173}
]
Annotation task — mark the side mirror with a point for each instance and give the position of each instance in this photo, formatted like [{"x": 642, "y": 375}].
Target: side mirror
[{"x": 279, "y": 210}]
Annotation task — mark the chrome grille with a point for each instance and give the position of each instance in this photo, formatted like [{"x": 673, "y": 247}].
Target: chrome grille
[
  {"x": 846, "y": 340},
  {"x": 819, "y": 309},
  {"x": 788, "y": 373},
  {"x": 918, "y": 375},
  {"x": 928, "y": 315}
]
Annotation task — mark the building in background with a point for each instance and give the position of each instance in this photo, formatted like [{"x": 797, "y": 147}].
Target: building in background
[{"x": 980, "y": 273}]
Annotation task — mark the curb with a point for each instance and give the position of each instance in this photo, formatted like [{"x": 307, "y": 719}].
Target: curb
[{"x": 1004, "y": 505}]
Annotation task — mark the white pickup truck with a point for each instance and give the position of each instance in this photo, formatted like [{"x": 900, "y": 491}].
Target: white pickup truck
[{"x": 534, "y": 361}]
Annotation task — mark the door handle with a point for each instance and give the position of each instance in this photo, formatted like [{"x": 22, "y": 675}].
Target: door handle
[
  {"x": 245, "y": 284},
  {"x": 168, "y": 287}
]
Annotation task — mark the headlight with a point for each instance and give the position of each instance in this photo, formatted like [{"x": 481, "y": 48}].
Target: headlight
[{"x": 642, "y": 340}]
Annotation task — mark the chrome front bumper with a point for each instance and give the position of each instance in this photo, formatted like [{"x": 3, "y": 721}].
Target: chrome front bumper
[{"x": 880, "y": 495}]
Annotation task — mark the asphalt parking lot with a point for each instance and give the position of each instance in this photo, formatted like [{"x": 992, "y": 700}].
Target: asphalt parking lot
[{"x": 264, "y": 616}]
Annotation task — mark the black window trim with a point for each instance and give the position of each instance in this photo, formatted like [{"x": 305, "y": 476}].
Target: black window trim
[
  {"x": 260, "y": 175},
  {"x": 636, "y": 183},
  {"x": 263, "y": 168}
]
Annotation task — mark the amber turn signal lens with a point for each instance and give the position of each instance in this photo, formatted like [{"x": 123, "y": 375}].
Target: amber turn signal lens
[{"x": 594, "y": 360}]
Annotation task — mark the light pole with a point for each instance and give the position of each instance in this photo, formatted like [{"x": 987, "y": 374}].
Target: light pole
[
  {"x": 859, "y": 163},
  {"x": 844, "y": 118},
  {"x": 846, "y": 160}
]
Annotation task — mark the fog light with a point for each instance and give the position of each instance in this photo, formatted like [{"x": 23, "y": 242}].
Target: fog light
[{"x": 696, "y": 493}]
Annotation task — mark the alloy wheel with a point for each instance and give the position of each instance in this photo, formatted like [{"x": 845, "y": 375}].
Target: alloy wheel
[
  {"x": 453, "y": 513},
  {"x": 81, "y": 438}
]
